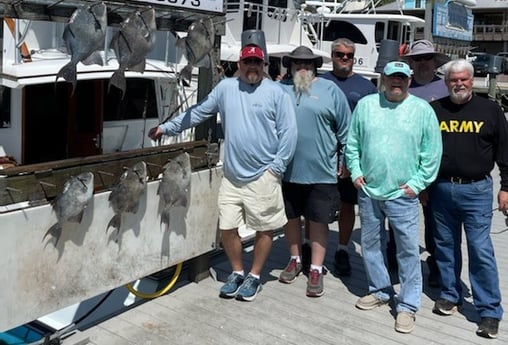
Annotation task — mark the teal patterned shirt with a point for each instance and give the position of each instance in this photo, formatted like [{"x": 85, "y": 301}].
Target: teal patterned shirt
[{"x": 391, "y": 144}]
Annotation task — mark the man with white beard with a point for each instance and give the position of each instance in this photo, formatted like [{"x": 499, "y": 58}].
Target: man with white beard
[
  {"x": 310, "y": 182},
  {"x": 475, "y": 136}
]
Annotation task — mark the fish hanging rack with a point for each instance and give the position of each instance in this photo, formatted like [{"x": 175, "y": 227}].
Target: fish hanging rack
[
  {"x": 39, "y": 183},
  {"x": 168, "y": 17}
]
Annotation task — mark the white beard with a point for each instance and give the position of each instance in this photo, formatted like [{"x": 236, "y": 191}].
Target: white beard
[{"x": 302, "y": 80}]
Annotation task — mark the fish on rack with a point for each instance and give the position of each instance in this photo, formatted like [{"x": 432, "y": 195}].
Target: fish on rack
[
  {"x": 70, "y": 205},
  {"x": 126, "y": 194},
  {"x": 174, "y": 187},
  {"x": 131, "y": 44},
  {"x": 197, "y": 46},
  {"x": 84, "y": 36}
]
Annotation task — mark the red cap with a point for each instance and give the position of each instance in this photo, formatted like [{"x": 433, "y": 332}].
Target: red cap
[{"x": 252, "y": 51}]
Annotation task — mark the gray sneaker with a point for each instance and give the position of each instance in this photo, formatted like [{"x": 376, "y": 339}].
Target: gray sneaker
[
  {"x": 370, "y": 302},
  {"x": 405, "y": 322},
  {"x": 291, "y": 271},
  {"x": 315, "y": 287}
]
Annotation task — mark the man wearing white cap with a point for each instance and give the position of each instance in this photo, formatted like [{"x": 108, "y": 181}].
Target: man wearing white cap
[
  {"x": 260, "y": 134},
  {"x": 393, "y": 152}
]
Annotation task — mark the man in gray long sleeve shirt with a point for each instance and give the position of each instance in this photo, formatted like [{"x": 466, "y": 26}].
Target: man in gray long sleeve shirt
[{"x": 259, "y": 123}]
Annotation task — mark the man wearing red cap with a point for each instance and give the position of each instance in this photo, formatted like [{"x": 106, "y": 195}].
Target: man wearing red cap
[{"x": 260, "y": 138}]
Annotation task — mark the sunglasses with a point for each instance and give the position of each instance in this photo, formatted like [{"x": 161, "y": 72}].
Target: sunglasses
[
  {"x": 252, "y": 61},
  {"x": 398, "y": 76},
  {"x": 341, "y": 55},
  {"x": 419, "y": 58},
  {"x": 303, "y": 62}
]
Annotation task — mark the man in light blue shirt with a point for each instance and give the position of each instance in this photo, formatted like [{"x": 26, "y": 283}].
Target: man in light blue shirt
[
  {"x": 310, "y": 182},
  {"x": 260, "y": 131},
  {"x": 393, "y": 152}
]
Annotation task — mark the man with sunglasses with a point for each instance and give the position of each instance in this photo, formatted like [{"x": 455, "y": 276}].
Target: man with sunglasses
[
  {"x": 354, "y": 87},
  {"x": 260, "y": 134},
  {"x": 393, "y": 152},
  {"x": 310, "y": 181},
  {"x": 424, "y": 60},
  {"x": 475, "y": 137}
]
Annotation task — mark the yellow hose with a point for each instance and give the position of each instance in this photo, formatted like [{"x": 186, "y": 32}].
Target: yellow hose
[{"x": 161, "y": 291}]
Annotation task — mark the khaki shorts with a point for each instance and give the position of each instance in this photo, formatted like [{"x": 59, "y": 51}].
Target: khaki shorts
[{"x": 257, "y": 204}]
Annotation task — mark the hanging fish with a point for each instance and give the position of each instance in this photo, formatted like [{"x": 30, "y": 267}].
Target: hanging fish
[
  {"x": 84, "y": 36},
  {"x": 174, "y": 187},
  {"x": 126, "y": 194},
  {"x": 70, "y": 205},
  {"x": 134, "y": 40},
  {"x": 197, "y": 46}
]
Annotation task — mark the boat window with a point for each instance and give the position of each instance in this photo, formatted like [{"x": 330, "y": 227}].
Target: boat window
[
  {"x": 338, "y": 28},
  {"x": 5, "y": 107},
  {"x": 379, "y": 32},
  {"x": 139, "y": 101},
  {"x": 252, "y": 17},
  {"x": 393, "y": 31}
]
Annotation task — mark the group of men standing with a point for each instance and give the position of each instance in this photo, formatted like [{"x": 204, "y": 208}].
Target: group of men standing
[{"x": 287, "y": 142}]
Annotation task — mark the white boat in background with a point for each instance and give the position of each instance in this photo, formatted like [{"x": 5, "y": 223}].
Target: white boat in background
[{"x": 316, "y": 24}]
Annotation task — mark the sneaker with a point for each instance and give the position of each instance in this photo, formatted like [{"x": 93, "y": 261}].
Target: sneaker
[
  {"x": 444, "y": 307},
  {"x": 488, "y": 328},
  {"x": 306, "y": 257},
  {"x": 232, "y": 285},
  {"x": 291, "y": 271},
  {"x": 315, "y": 287},
  {"x": 342, "y": 266},
  {"x": 249, "y": 289},
  {"x": 369, "y": 302},
  {"x": 405, "y": 322}
]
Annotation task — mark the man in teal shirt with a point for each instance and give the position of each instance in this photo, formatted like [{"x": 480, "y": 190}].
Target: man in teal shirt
[{"x": 393, "y": 152}]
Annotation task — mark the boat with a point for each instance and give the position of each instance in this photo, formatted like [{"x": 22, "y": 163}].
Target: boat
[
  {"x": 316, "y": 24},
  {"x": 52, "y": 132}
]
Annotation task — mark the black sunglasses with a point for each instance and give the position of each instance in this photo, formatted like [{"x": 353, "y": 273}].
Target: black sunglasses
[
  {"x": 303, "y": 62},
  {"x": 252, "y": 61},
  {"x": 342, "y": 55},
  {"x": 418, "y": 58}
]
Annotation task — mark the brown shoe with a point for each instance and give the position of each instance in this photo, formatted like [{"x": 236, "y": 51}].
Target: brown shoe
[{"x": 370, "y": 302}]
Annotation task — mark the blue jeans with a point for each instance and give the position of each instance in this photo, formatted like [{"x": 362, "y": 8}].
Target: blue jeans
[
  {"x": 402, "y": 213},
  {"x": 470, "y": 206}
]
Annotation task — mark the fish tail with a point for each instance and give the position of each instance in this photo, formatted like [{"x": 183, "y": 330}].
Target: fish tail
[
  {"x": 115, "y": 222},
  {"x": 68, "y": 73},
  {"x": 55, "y": 231},
  {"x": 118, "y": 81},
  {"x": 186, "y": 72}
]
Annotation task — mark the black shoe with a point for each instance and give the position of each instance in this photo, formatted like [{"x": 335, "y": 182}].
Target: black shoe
[
  {"x": 306, "y": 257},
  {"x": 342, "y": 265},
  {"x": 444, "y": 307},
  {"x": 488, "y": 328}
]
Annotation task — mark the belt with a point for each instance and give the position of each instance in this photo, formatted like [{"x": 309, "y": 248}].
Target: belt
[{"x": 462, "y": 180}]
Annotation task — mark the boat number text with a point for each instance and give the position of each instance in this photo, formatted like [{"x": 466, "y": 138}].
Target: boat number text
[
  {"x": 194, "y": 3},
  {"x": 358, "y": 61}
]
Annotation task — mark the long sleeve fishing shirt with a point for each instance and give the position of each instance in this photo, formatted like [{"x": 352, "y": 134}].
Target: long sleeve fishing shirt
[
  {"x": 259, "y": 126},
  {"x": 322, "y": 116},
  {"x": 391, "y": 144}
]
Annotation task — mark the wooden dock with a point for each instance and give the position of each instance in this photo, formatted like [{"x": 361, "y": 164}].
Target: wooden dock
[{"x": 192, "y": 313}]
